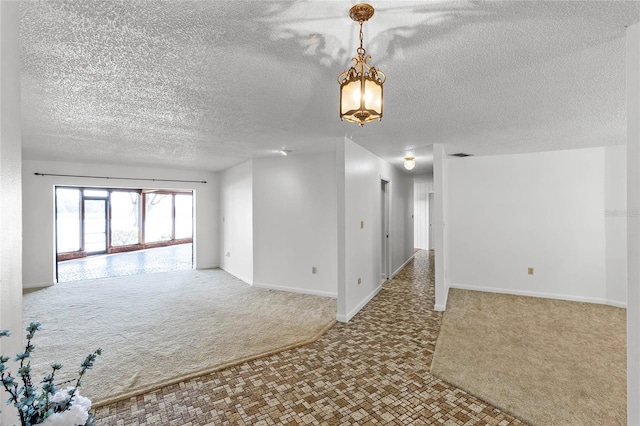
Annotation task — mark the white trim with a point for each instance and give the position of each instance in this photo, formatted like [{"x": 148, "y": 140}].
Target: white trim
[
  {"x": 333, "y": 295},
  {"x": 35, "y": 285},
  {"x": 202, "y": 268},
  {"x": 362, "y": 304},
  {"x": 443, "y": 306},
  {"x": 397, "y": 271},
  {"x": 238, "y": 276},
  {"x": 528, "y": 293},
  {"x": 615, "y": 303}
]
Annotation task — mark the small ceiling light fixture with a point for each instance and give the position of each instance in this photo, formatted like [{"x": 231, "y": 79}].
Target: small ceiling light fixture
[
  {"x": 284, "y": 152},
  {"x": 409, "y": 163},
  {"x": 360, "y": 88}
]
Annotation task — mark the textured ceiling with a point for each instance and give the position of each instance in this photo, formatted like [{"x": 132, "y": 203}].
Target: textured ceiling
[{"x": 208, "y": 84}]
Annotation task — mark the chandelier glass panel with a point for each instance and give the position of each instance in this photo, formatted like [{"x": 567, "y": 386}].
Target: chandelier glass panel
[{"x": 361, "y": 85}]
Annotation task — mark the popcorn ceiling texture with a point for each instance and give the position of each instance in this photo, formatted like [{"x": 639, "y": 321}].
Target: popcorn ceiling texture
[{"x": 208, "y": 84}]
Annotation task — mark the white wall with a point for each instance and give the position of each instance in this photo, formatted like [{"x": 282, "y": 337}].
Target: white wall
[
  {"x": 10, "y": 191},
  {"x": 420, "y": 215},
  {"x": 401, "y": 216},
  {"x": 633, "y": 224},
  {"x": 236, "y": 215},
  {"x": 359, "y": 202},
  {"x": 541, "y": 210},
  {"x": 294, "y": 223},
  {"x": 422, "y": 186},
  {"x": 615, "y": 204},
  {"x": 38, "y": 209},
  {"x": 440, "y": 228}
]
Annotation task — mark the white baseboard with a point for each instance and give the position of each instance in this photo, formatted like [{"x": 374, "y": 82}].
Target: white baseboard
[
  {"x": 240, "y": 277},
  {"x": 297, "y": 290},
  {"x": 616, "y": 304},
  {"x": 397, "y": 271},
  {"x": 568, "y": 297},
  {"x": 36, "y": 285},
  {"x": 362, "y": 304},
  {"x": 202, "y": 268}
]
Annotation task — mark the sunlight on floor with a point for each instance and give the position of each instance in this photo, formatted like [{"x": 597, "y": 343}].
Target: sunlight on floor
[{"x": 160, "y": 259}]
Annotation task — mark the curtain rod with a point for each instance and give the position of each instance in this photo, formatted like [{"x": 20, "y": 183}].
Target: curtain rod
[{"x": 121, "y": 178}]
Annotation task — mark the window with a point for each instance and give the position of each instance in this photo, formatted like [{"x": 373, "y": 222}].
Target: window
[
  {"x": 103, "y": 220},
  {"x": 184, "y": 216},
  {"x": 158, "y": 224},
  {"x": 68, "y": 217},
  {"x": 125, "y": 218}
]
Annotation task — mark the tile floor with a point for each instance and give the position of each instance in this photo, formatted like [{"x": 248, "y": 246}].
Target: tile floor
[
  {"x": 160, "y": 259},
  {"x": 373, "y": 370}
]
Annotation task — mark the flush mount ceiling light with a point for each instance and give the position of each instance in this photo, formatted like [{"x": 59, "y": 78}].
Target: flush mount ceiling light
[
  {"x": 361, "y": 85},
  {"x": 284, "y": 152},
  {"x": 409, "y": 163}
]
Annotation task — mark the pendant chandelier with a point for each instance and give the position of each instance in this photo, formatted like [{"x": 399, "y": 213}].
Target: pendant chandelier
[{"x": 361, "y": 85}]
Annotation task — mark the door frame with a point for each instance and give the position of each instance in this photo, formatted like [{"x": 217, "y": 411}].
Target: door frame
[
  {"x": 105, "y": 200},
  {"x": 385, "y": 215},
  {"x": 430, "y": 219}
]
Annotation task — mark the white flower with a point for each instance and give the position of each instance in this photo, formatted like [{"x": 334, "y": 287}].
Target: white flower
[{"x": 76, "y": 415}]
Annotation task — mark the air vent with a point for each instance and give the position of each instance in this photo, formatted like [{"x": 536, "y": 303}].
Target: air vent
[{"x": 461, "y": 155}]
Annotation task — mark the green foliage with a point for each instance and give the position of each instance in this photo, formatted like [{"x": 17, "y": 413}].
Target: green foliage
[{"x": 34, "y": 407}]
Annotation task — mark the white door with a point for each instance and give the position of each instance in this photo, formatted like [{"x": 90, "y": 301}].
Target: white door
[{"x": 420, "y": 216}]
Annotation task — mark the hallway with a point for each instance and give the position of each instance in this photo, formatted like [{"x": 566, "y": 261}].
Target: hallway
[{"x": 372, "y": 370}]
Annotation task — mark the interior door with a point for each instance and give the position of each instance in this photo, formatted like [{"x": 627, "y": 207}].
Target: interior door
[{"x": 95, "y": 226}]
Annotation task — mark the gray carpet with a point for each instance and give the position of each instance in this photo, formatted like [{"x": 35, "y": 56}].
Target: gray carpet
[
  {"x": 548, "y": 362},
  {"x": 161, "y": 328}
]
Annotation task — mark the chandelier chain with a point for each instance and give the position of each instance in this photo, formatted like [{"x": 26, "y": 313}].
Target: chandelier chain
[{"x": 361, "y": 49}]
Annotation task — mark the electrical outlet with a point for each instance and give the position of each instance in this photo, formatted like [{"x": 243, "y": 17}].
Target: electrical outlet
[
  {"x": 530, "y": 271},
  {"x": 228, "y": 254},
  {"x": 359, "y": 280},
  {"x": 314, "y": 270}
]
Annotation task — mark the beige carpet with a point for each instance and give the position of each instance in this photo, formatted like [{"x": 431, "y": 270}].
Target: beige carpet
[
  {"x": 548, "y": 362},
  {"x": 162, "y": 328}
]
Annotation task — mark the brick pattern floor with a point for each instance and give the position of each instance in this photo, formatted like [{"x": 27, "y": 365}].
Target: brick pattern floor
[{"x": 373, "y": 370}]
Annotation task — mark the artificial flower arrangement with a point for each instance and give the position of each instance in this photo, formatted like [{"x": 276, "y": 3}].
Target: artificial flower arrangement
[{"x": 52, "y": 406}]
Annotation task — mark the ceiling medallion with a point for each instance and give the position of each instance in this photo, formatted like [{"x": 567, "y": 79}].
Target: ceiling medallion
[{"x": 361, "y": 85}]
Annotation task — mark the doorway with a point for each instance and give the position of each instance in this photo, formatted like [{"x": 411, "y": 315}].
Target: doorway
[
  {"x": 95, "y": 225},
  {"x": 385, "y": 254},
  {"x": 421, "y": 215}
]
